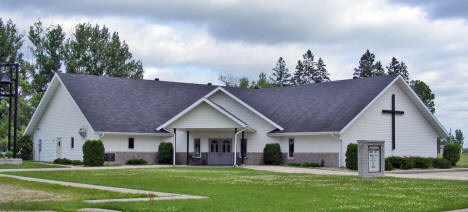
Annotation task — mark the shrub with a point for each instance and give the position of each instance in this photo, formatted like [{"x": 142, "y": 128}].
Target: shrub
[
  {"x": 9, "y": 154},
  {"x": 407, "y": 163},
  {"x": 25, "y": 148},
  {"x": 396, "y": 161},
  {"x": 388, "y": 165},
  {"x": 310, "y": 165},
  {"x": 452, "y": 153},
  {"x": 441, "y": 163},
  {"x": 137, "y": 161},
  {"x": 351, "y": 156},
  {"x": 93, "y": 153},
  {"x": 63, "y": 161},
  {"x": 165, "y": 153},
  {"x": 272, "y": 154},
  {"x": 422, "y": 163},
  {"x": 76, "y": 162},
  {"x": 293, "y": 164}
]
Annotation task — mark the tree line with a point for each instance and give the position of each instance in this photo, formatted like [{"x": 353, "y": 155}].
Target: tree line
[{"x": 88, "y": 49}]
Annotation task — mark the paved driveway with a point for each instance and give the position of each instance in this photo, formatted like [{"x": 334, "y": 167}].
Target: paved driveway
[{"x": 449, "y": 174}]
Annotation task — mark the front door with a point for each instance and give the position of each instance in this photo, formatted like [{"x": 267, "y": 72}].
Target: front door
[
  {"x": 220, "y": 152},
  {"x": 59, "y": 148}
]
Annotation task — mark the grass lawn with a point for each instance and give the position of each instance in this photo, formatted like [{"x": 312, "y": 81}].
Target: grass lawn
[
  {"x": 27, "y": 164},
  {"x": 463, "y": 162},
  {"x": 17, "y": 194},
  {"x": 237, "y": 189}
]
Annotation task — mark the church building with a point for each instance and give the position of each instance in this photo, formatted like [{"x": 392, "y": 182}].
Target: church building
[{"x": 216, "y": 125}]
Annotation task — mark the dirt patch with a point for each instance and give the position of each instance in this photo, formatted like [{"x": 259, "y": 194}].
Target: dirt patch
[{"x": 14, "y": 193}]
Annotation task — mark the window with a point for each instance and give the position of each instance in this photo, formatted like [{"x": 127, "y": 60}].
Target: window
[
  {"x": 196, "y": 148},
  {"x": 131, "y": 143},
  {"x": 40, "y": 145},
  {"x": 72, "y": 143},
  {"x": 291, "y": 148},
  {"x": 227, "y": 146},
  {"x": 109, "y": 157},
  {"x": 214, "y": 146}
]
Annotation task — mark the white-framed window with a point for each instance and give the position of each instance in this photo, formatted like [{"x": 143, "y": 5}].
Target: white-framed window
[
  {"x": 72, "y": 143},
  {"x": 196, "y": 148},
  {"x": 131, "y": 143},
  {"x": 291, "y": 148}
]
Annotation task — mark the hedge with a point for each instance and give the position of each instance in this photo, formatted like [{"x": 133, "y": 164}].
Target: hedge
[
  {"x": 272, "y": 154},
  {"x": 93, "y": 153},
  {"x": 351, "y": 156},
  {"x": 422, "y": 163},
  {"x": 76, "y": 162},
  {"x": 137, "y": 161},
  {"x": 388, "y": 165},
  {"x": 63, "y": 161},
  {"x": 310, "y": 165},
  {"x": 441, "y": 163},
  {"x": 293, "y": 164},
  {"x": 25, "y": 148},
  {"x": 452, "y": 153},
  {"x": 165, "y": 153}
]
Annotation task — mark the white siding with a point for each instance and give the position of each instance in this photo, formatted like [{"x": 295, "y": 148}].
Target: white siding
[
  {"x": 255, "y": 141},
  {"x": 311, "y": 143},
  {"x": 62, "y": 119},
  {"x": 119, "y": 143},
  {"x": 414, "y": 134},
  {"x": 204, "y": 116}
]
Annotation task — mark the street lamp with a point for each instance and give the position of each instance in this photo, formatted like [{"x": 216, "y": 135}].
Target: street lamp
[{"x": 6, "y": 77}]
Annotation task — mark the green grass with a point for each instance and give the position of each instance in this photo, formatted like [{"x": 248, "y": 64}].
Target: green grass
[
  {"x": 463, "y": 162},
  {"x": 70, "y": 198},
  {"x": 237, "y": 189},
  {"x": 27, "y": 164}
]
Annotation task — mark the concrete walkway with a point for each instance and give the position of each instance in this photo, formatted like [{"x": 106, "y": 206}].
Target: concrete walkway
[
  {"x": 448, "y": 174},
  {"x": 85, "y": 168},
  {"x": 159, "y": 195}
]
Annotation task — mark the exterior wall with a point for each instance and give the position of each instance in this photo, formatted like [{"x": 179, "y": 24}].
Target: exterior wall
[
  {"x": 62, "y": 119},
  {"x": 204, "y": 116},
  {"x": 312, "y": 148},
  {"x": 415, "y": 136},
  {"x": 119, "y": 143}
]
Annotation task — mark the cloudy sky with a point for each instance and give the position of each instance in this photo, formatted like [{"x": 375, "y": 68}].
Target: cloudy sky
[{"x": 198, "y": 40}]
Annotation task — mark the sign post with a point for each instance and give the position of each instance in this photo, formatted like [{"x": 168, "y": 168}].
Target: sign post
[{"x": 371, "y": 158}]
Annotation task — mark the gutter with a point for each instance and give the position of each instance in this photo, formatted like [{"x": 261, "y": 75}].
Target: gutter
[{"x": 341, "y": 147}]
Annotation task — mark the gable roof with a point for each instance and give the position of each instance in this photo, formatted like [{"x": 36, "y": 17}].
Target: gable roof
[{"x": 113, "y": 104}]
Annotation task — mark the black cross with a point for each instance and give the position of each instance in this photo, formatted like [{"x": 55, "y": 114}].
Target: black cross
[{"x": 393, "y": 112}]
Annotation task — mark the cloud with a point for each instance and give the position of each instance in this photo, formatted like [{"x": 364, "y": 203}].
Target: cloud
[
  {"x": 195, "y": 41},
  {"x": 441, "y": 9}
]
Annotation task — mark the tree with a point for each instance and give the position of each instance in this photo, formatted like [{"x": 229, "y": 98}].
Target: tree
[
  {"x": 424, "y": 93},
  {"x": 263, "y": 81},
  {"x": 306, "y": 70},
  {"x": 367, "y": 67},
  {"x": 459, "y": 137},
  {"x": 46, "y": 47},
  {"x": 300, "y": 75},
  {"x": 244, "y": 82},
  {"x": 281, "y": 75},
  {"x": 320, "y": 73},
  {"x": 398, "y": 68},
  {"x": 93, "y": 50},
  {"x": 229, "y": 80},
  {"x": 11, "y": 42}
]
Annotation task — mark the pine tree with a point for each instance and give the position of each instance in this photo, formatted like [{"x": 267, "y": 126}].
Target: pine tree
[
  {"x": 398, "y": 68},
  {"x": 459, "y": 137},
  {"x": 300, "y": 76},
  {"x": 93, "y": 50},
  {"x": 424, "y": 93},
  {"x": 45, "y": 49},
  {"x": 263, "y": 82},
  {"x": 367, "y": 67},
  {"x": 320, "y": 73},
  {"x": 281, "y": 75}
]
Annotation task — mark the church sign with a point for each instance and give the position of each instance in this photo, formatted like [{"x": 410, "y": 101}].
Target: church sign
[{"x": 371, "y": 158}]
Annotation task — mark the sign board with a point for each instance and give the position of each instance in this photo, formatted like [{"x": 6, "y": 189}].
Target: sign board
[{"x": 374, "y": 158}]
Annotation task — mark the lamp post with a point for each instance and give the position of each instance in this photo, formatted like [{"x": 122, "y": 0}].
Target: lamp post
[{"x": 6, "y": 78}]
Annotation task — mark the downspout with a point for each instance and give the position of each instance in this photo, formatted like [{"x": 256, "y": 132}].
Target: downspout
[
  {"x": 235, "y": 144},
  {"x": 341, "y": 144},
  {"x": 173, "y": 149}
]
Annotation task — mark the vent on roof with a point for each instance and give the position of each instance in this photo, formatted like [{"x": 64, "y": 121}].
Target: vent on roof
[
  {"x": 156, "y": 79},
  {"x": 210, "y": 83},
  {"x": 355, "y": 77}
]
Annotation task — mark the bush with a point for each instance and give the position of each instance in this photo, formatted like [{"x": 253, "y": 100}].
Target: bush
[
  {"x": 351, "y": 156},
  {"x": 441, "y": 163},
  {"x": 93, "y": 153},
  {"x": 76, "y": 162},
  {"x": 452, "y": 153},
  {"x": 8, "y": 154},
  {"x": 396, "y": 161},
  {"x": 25, "y": 148},
  {"x": 310, "y": 165},
  {"x": 407, "y": 163},
  {"x": 388, "y": 165},
  {"x": 165, "y": 153},
  {"x": 293, "y": 164},
  {"x": 422, "y": 163},
  {"x": 272, "y": 154},
  {"x": 137, "y": 161},
  {"x": 63, "y": 161}
]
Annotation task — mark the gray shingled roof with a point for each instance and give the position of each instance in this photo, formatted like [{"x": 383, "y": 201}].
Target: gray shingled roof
[{"x": 128, "y": 105}]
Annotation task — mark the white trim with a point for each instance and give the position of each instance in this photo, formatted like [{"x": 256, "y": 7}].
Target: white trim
[
  {"x": 414, "y": 96},
  {"x": 302, "y": 133},
  {"x": 251, "y": 109},
  {"x": 133, "y": 133}
]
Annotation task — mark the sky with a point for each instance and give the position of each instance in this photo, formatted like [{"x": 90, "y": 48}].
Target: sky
[{"x": 196, "y": 41}]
